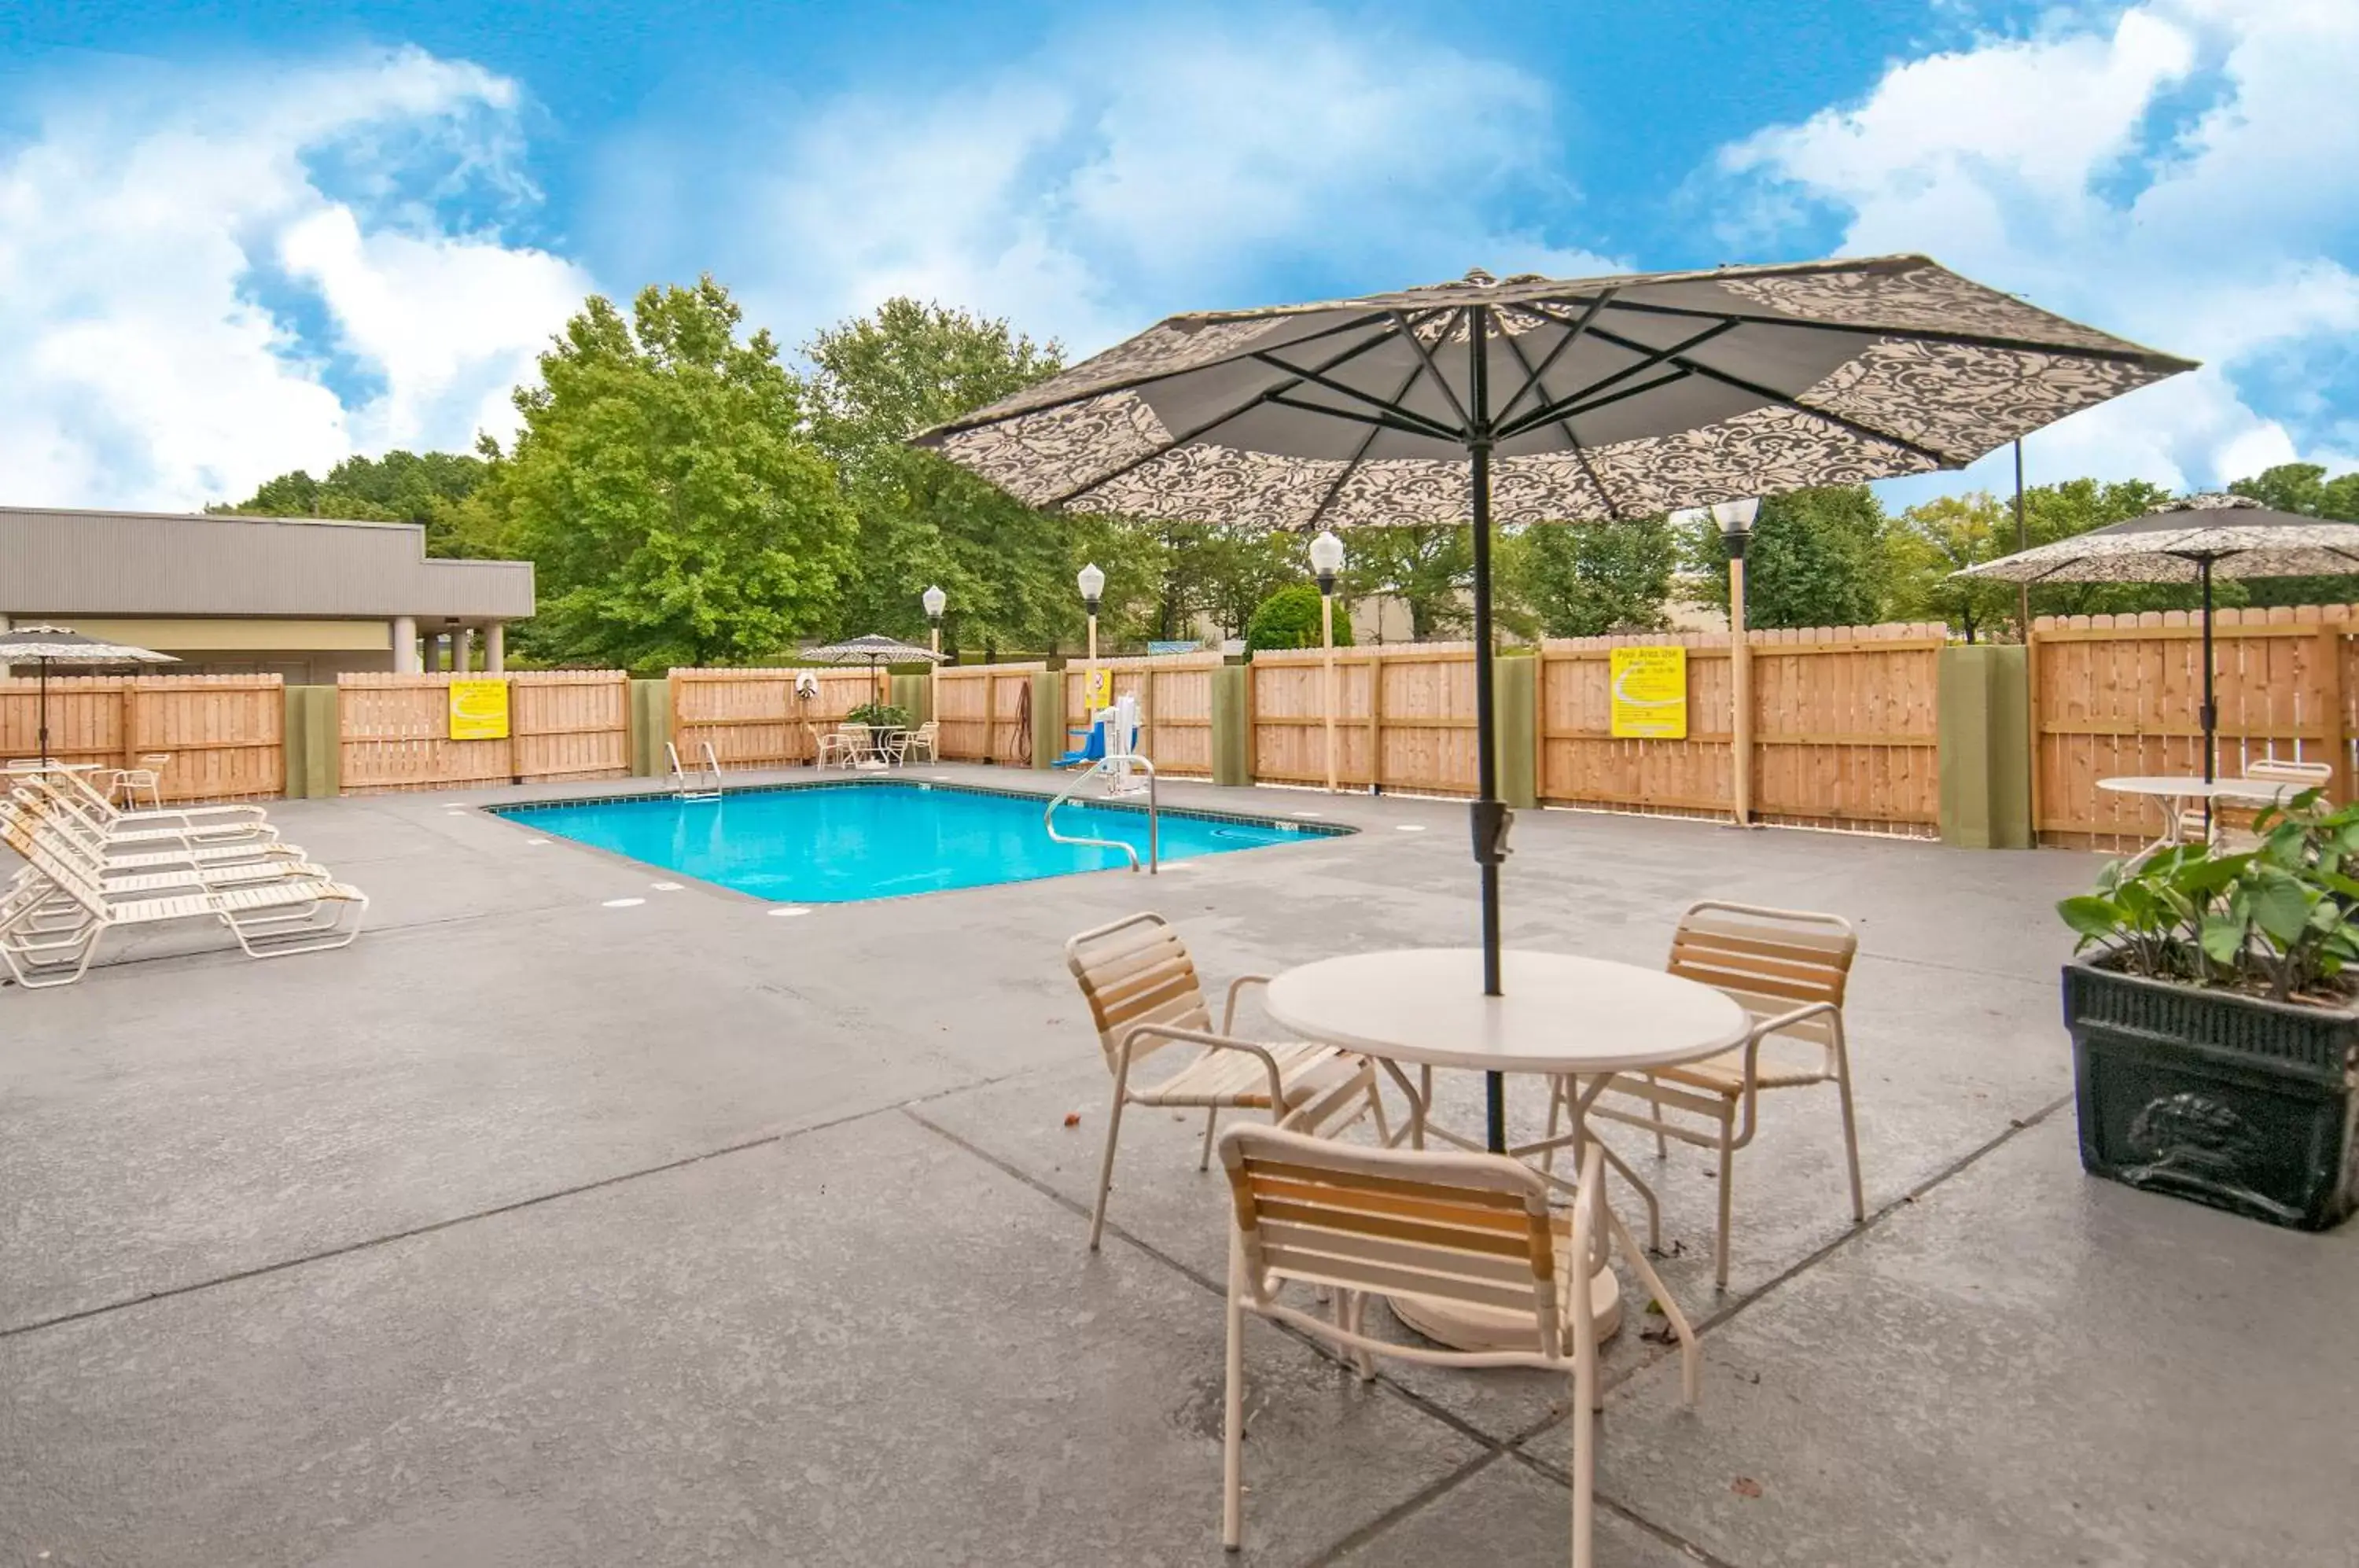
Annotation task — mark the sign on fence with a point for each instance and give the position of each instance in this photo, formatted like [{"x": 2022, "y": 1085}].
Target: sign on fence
[
  {"x": 1650, "y": 692},
  {"x": 479, "y": 709}
]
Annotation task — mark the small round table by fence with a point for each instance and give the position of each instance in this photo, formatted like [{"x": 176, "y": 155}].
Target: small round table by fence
[
  {"x": 2174, "y": 793},
  {"x": 1561, "y": 1016}
]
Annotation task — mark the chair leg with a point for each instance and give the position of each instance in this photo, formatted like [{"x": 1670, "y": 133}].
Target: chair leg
[
  {"x": 1662, "y": 1150},
  {"x": 1850, "y": 1136},
  {"x": 1233, "y": 1411},
  {"x": 1728, "y": 1177},
  {"x": 1105, "y": 1162},
  {"x": 1365, "y": 1361},
  {"x": 1584, "y": 1456},
  {"x": 1376, "y": 1110},
  {"x": 1211, "y": 1120},
  {"x": 1556, "y": 1104}
]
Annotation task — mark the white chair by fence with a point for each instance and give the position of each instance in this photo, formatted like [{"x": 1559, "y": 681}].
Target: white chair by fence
[
  {"x": 147, "y": 780},
  {"x": 1788, "y": 970},
  {"x": 2231, "y": 827},
  {"x": 838, "y": 747},
  {"x": 1144, "y": 994},
  {"x": 926, "y": 737},
  {"x": 1459, "y": 1227}
]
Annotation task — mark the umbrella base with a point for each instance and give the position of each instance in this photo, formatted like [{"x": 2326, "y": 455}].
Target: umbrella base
[{"x": 1462, "y": 1325}]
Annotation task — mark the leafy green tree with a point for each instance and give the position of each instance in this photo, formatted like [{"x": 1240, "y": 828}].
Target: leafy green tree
[
  {"x": 1008, "y": 568},
  {"x": 2303, "y": 487},
  {"x": 1931, "y": 540},
  {"x": 399, "y": 487},
  {"x": 1816, "y": 558},
  {"x": 1427, "y": 566},
  {"x": 663, "y": 488},
  {"x": 1290, "y": 618},
  {"x": 1588, "y": 578}
]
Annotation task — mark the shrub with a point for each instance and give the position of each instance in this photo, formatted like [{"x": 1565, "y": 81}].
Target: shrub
[{"x": 1290, "y": 618}]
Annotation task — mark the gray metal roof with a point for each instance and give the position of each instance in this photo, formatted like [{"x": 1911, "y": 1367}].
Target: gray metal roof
[{"x": 60, "y": 563}]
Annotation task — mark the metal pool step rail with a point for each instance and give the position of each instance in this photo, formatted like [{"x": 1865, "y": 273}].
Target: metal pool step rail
[
  {"x": 707, "y": 785},
  {"x": 1107, "y": 764}
]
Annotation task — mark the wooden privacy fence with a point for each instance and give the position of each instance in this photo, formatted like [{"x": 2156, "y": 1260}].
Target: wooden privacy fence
[
  {"x": 753, "y": 717},
  {"x": 1174, "y": 693},
  {"x": 394, "y": 731},
  {"x": 226, "y": 734},
  {"x": 1844, "y": 729},
  {"x": 2115, "y": 696},
  {"x": 985, "y": 712},
  {"x": 1404, "y": 717}
]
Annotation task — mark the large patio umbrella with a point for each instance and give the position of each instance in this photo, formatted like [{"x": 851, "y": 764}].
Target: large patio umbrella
[
  {"x": 874, "y": 651},
  {"x": 2190, "y": 540},
  {"x": 46, "y": 646},
  {"x": 1534, "y": 399}
]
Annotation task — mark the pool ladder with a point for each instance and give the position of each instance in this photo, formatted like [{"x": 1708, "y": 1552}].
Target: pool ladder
[
  {"x": 1107, "y": 764},
  {"x": 707, "y": 783}
]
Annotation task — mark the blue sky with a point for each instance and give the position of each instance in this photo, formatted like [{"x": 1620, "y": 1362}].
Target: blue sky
[{"x": 241, "y": 239}]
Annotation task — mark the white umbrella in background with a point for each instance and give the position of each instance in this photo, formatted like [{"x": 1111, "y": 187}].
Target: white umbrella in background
[{"x": 46, "y": 646}]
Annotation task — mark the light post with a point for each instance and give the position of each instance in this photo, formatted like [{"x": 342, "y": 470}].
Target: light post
[
  {"x": 1327, "y": 559},
  {"x": 934, "y": 599},
  {"x": 1735, "y": 520},
  {"x": 1091, "y": 583}
]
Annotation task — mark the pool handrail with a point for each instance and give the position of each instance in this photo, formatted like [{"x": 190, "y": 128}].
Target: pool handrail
[
  {"x": 1106, "y": 764},
  {"x": 700, "y": 789}
]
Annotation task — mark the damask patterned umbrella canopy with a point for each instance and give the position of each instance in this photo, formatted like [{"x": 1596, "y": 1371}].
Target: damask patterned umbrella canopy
[
  {"x": 2190, "y": 540},
  {"x": 46, "y": 646},
  {"x": 1535, "y": 399},
  {"x": 874, "y": 651}
]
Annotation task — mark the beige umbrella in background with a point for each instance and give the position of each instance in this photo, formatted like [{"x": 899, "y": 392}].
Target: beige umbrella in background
[{"x": 46, "y": 646}]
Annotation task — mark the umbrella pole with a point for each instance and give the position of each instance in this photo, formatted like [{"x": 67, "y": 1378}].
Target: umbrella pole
[
  {"x": 42, "y": 750},
  {"x": 2211, "y": 710},
  {"x": 1489, "y": 817}
]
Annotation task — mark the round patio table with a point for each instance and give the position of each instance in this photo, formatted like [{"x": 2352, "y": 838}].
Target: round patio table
[
  {"x": 2175, "y": 792},
  {"x": 1561, "y": 1016}
]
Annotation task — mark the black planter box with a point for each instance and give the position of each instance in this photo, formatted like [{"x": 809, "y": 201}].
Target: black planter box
[{"x": 2233, "y": 1101}]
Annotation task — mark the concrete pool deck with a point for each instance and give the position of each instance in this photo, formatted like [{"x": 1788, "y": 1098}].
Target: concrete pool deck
[{"x": 539, "y": 1227}]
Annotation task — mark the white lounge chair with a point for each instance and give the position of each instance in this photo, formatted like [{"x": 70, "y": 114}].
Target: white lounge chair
[
  {"x": 1143, "y": 994},
  {"x": 189, "y": 823},
  {"x": 51, "y": 922},
  {"x": 1456, "y": 1227}
]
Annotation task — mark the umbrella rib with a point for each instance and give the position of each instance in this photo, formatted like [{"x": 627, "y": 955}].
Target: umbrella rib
[
  {"x": 1580, "y": 452},
  {"x": 1382, "y": 419},
  {"x": 1358, "y": 456},
  {"x": 1533, "y": 377},
  {"x": 1430, "y": 427},
  {"x": 1267, "y": 394},
  {"x": 1427, "y": 367},
  {"x": 1785, "y": 400},
  {"x": 1913, "y": 334},
  {"x": 1573, "y": 403},
  {"x": 1132, "y": 383}
]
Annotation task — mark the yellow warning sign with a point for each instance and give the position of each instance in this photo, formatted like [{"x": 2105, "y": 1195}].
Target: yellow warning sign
[
  {"x": 479, "y": 709},
  {"x": 1650, "y": 692},
  {"x": 1100, "y": 689}
]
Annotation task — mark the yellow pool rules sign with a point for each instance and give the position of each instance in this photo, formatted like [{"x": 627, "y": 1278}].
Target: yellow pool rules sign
[
  {"x": 1650, "y": 693},
  {"x": 479, "y": 709}
]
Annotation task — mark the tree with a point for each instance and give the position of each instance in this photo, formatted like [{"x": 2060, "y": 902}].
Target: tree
[
  {"x": 876, "y": 381},
  {"x": 662, "y": 487},
  {"x": 1816, "y": 558},
  {"x": 1588, "y": 578},
  {"x": 1290, "y": 618},
  {"x": 1427, "y": 566},
  {"x": 2303, "y": 487},
  {"x": 399, "y": 487},
  {"x": 1934, "y": 539}
]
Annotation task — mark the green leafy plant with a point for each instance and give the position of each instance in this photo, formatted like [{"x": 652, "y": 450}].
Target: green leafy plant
[
  {"x": 879, "y": 716},
  {"x": 1290, "y": 618},
  {"x": 2282, "y": 918}
]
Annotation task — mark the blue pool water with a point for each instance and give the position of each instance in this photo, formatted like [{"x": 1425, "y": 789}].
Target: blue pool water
[{"x": 836, "y": 843}]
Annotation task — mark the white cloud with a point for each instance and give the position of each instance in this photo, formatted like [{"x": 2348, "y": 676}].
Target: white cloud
[
  {"x": 1127, "y": 172},
  {"x": 2186, "y": 174},
  {"x": 147, "y": 225}
]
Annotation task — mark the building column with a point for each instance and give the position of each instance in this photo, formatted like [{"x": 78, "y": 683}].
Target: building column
[
  {"x": 496, "y": 649},
  {"x": 462, "y": 649},
  {"x": 405, "y": 645}
]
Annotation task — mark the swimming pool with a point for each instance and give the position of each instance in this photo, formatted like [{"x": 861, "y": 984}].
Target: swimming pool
[{"x": 834, "y": 843}]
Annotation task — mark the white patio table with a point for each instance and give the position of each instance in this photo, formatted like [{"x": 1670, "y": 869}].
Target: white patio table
[
  {"x": 2176, "y": 792},
  {"x": 1561, "y": 1016}
]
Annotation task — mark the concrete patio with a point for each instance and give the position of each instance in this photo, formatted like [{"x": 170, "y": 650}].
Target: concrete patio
[{"x": 531, "y": 1230}]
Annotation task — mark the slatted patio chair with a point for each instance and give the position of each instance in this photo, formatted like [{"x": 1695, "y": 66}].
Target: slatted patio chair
[
  {"x": 1144, "y": 994},
  {"x": 2231, "y": 826},
  {"x": 926, "y": 737},
  {"x": 1788, "y": 969},
  {"x": 1459, "y": 1227},
  {"x": 148, "y": 779}
]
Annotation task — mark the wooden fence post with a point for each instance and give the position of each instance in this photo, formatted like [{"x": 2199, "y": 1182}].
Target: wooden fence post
[{"x": 2330, "y": 718}]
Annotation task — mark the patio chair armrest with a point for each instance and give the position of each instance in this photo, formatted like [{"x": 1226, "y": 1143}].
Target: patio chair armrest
[
  {"x": 1214, "y": 1042},
  {"x": 1237, "y": 989},
  {"x": 1762, "y": 1031}
]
